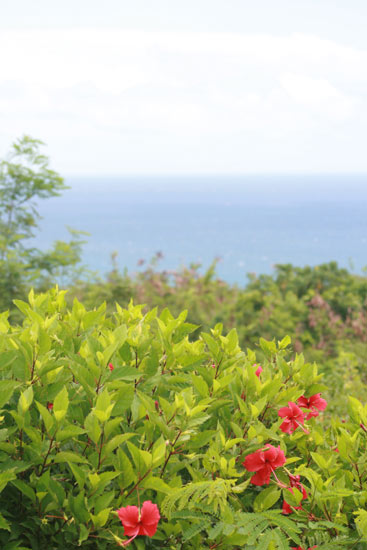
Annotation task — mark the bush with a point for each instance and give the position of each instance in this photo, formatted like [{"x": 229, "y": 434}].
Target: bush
[{"x": 104, "y": 412}]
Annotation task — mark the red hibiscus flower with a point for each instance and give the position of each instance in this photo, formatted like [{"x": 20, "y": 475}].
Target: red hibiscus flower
[
  {"x": 315, "y": 403},
  {"x": 111, "y": 367},
  {"x": 139, "y": 522},
  {"x": 264, "y": 462},
  {"x": 258, "y": 370},
  {"x": 293, "y": 416}
]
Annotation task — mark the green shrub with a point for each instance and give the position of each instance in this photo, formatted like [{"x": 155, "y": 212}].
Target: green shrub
[{"x": 102, "y": 412}]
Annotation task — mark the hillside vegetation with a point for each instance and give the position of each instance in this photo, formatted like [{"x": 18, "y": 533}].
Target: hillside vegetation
[{"x": 172, "y": 409}]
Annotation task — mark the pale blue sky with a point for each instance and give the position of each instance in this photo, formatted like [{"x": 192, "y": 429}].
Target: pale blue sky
[{"x": 161, "y": 86}]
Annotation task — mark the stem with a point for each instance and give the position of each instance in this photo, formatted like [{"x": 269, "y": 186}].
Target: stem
[
  {"x": 98, "y": 383},
  {"x": 264, "y": 412},
  {"x": 21, "y": 444},
  {"x": 33, "y": 366},
  {"x": 100, "y": 450},
  {"x": 170, "y": 453},
  {"x": 138, "y": 482},
  {"x": 46, "y": 457},
  {"x": 359, "y": 475}
]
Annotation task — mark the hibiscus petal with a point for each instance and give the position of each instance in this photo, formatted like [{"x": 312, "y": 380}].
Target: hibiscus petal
[
  {"x": 271, "y": 453},
  {"x": 280, "y": 459},
  {"x": 262, "y": 477},
  {"x": 318, "y": 402},
  {"x": 129, "y": 516},
  {"x": 286, "y": 427},
  {"x": 149, "y": 514},
  {"x": 286, "y": 509},
  {"x": 254, "y": 461},
  {"x": 148, "y": 530},
  {"x": 283, "y": 412},
  {"x": 296, "y": 411},
  {"x": 303, "y": 402}
]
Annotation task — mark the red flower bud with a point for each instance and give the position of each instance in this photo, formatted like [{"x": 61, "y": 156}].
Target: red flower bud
[
  {"x": 50, "y": 406},
  {"x": 111, "y": 367},
  {"x": 258, "y": 370}
]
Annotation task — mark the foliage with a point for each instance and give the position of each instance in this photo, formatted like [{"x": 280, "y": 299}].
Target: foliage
[
  {"x": 25, "y": 178},
  {"x": 322, "y": 308},
  {"x": 102, "y": 411}
]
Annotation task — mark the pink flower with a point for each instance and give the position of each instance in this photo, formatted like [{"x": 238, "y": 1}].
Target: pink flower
[
  {"x": 111, "y": 367},
  {"x": 293, "y": 416},
  {"x": 264, "y": 462},
  {"x": 139, "y": 522},
  {"x": 258, "y": 370},
  {"x": 315, "y": 403}
]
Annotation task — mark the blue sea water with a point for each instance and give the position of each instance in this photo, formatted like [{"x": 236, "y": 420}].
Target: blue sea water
[{"x": 250, "y": 222}]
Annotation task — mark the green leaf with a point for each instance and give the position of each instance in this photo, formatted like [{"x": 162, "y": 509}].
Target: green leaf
[
  {"x": 123, "y": 399},
  {"x": 69, "y": 432},
  {"x": 200, "y": 385},
  {"x": 266, "y": 499},
  {"x": 79, "y": 475},
  {"x": 115, "y": 442},
  {"x": 83, "y": 534},
  {"x": 103, "y": 406},
  {"x": 7, "y": 388},
  {"x": 212, "y": 345},
  {"x": 157, "y": 484},
  {"x": 92, "y": 427},
  {"x": 101, "y": 518},
  {"x": 5, "y": 477},
  {"x": 67, "y": 456},
  {"x": 46, "y": 416},
  {"x": 142, "y": 459},
  {"x": 125, "y": 468},
  {"x": 284, "y": 343},
  {"x": 61, "y": 404},
  {"x": 4, "y": 524},
  {"x": 78, "y": 507},
  {"x": 25, "y": 400},
  {"x": 25, "y": 489}
]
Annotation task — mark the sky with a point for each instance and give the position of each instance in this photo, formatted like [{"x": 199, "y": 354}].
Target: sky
[{"x": 202, "y": 86}]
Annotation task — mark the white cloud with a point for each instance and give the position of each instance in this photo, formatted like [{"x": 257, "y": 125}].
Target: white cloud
[
  {"x": 176, "y": 101},
  {"x": 319, "y": 96}
]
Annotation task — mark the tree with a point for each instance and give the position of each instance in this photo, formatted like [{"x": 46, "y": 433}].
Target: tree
[{"x": 25, "y": 178}]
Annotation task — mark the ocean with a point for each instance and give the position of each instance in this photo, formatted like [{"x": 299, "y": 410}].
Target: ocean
[{"x": 250, "y": 222}]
